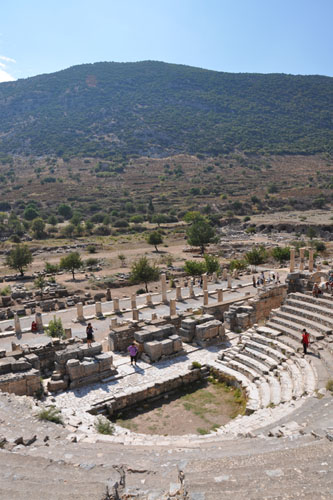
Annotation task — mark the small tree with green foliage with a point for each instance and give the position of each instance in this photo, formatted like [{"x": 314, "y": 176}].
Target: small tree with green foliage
[
  {"x": 238, "y": 264},
  {"x": 71, "y": 262},
  {"x": 194, "y": 267},
  {"x": 51, "y": 268},
  {"x": 311, "y": 232},
  {"x": 143, "y": 272},
  {"x": 212, "y": 264},
  {"x": 200, "y": 233},
  {"x": 155, "y": 238},
  {"x": 19, "y": 258},
  {"x": 38, "y": 228},
  {"x": 65, "y": 210},
  {"x": 281, "y": 254},
  {"x": 256, "y": 256},
  {"x": 40, "y": 283},
  {"x": 55, "y": 328}
]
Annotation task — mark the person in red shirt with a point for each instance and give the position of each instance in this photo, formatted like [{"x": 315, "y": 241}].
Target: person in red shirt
[{"x": 305, "y": 340}]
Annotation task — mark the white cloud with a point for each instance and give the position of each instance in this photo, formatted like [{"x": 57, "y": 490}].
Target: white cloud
[
  {"x": 7, "y": 59},
  {"x": 4, "y": 75}
]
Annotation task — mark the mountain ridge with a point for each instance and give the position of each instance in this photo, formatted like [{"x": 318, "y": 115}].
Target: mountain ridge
[{"x": 154, "y": 108}]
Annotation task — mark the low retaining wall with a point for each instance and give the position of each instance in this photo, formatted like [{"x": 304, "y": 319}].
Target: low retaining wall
[{"x": 113, "y": 405}]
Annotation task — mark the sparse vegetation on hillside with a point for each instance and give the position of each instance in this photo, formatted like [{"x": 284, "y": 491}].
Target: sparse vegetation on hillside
[{"x": 153, "y": 107}]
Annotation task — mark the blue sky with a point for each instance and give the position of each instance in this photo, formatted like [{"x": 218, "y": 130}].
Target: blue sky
[{"x": 261, "y": 36}]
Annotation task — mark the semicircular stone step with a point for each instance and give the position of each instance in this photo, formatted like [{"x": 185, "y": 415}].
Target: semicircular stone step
[
  {"x": 297, "y": 377},
  {"x": 313, "y": 316},
  {"x": 316, "y": 330},
  {"x": 261, "y": 357}
]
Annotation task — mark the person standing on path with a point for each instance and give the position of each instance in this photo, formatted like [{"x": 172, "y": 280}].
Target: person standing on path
[
  {"x": 133, "y": 350},
  {"x": 89, "y": 332},
  {"x": 254, "y": 281},
  {"x": 305, "y": 340}
]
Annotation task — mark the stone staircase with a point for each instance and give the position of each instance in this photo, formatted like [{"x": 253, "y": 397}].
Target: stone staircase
[{"x": 271, "y": 358}]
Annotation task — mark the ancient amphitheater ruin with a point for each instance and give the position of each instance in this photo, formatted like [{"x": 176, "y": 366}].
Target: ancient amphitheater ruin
[{"x": 280, "y": 448}]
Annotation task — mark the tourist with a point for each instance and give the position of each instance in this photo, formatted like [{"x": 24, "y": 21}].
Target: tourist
[
  {"x": 305, "y": 340},
  {"x": 89, "y": 332},
  {"x": 277, "y": 278},
  {"x": 254, "y": 281},
  {"x": 34, "y": 326},
  {"x": 133, "y": 350},
  {"x": 316, "y": 290}
]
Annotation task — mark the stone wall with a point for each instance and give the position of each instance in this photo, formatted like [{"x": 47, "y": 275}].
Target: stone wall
[
  {"x": 124, "y": 400},
  {"x": 203, "y": 330},
  {"x": 243, "y": 315},
  {"x": 80, "y": 365}
]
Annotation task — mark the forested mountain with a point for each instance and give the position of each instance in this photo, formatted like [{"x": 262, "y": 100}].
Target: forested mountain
[{"x": 154, "y": 108}]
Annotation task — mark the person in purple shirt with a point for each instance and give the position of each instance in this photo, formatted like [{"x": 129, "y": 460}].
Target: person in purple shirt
[{"x": 133, "y": 350}]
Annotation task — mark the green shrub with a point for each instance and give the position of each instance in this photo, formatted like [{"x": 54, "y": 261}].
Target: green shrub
[
  {"x": 6, "y": 290},
  {"x": 55, "y": 328},
  {"x": 196, "y": 364},
  {"x": 103, "y": 426},
  {"x": 91, "y": 249},
  {"x": 91, "y": 262},
  {"x": 194, "y": 267},
  {"x": 51, "y": 414},
  {"x": 329, "y": 385}
]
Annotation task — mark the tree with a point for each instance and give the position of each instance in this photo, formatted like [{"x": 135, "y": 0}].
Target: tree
[
  {"x": 38, "y": 226},
  {"x": 281, "y": 254},
  {"x": 65, "y": 211},
  {"x": 143, "y": 272},
  {"x": 155, "y": 238},
  {"x": 194, "y": 267},
  {"x": 122, "y": 259},
  {"x": 71, "y": 262},
  {"x": 212, "y": 264},
  {"x": 40, "y": 283},
  {"x": 30, "y": 213},
  {"x": 52, "y": 220},
  {"x": 55, "y": 328},
  {"x": 311, "y": 232},
  {"x": 237, "y": 264},
  {"x": 256, "y": 256},
  {"x": 19, "y": 258},
  {"x": 200, "y": 233}
]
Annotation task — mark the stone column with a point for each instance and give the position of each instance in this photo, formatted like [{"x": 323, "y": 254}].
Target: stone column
[
  {"x": 225, "y": 274},
  {"x": 39, "y": 322},
  {"x": 214, "y": 278},
  {"x": 98, "y": 308},
  {"x": 292, "y": 260},
  {"x": 116, "y": 308},
  {"x": 114, "y": 323},
  {"x": 229, "y": 281},
  {"x": 135, "y": 315},
  {"x": 153, "y": 316},
  {"x": 301, "y": 255},
  {"x": 311, "y": 252},
  {"x": 173, "y": 310},
  {"x": 68, "y": 333},
  {"x": 179, "y": 293},
  {"x": 149, "y": 302},
  {"x": 219, "y": 295},
  {"x": 204, "y": 281},
  {"x": 108, "y": 294},
  {"x": 164, "y": 288},
  {"x": 79, "y": 311},
  {"x": 17, "y": 324},
  {"x": 133, "y": 301},
  {"x": 191, "y": 290},
  {"x": 205, "y": 298}
]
